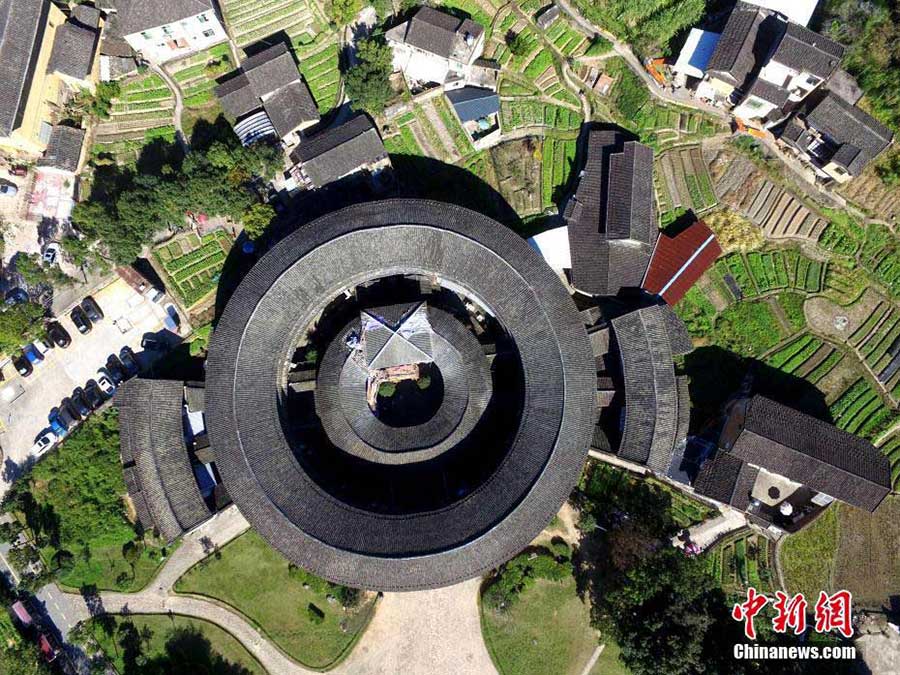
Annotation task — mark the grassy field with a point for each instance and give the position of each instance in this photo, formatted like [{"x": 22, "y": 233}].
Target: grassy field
[
  {"x": 253, "y": 578},
  {"x": 807, "y": 558},
  {"x": 547, "y": 630},
  {"x": 166, "y": 641},
  {"x": 193, "y": 264}
]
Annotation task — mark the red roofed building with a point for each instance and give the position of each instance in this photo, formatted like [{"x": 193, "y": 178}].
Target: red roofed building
[{"x": 679, "y": 261}]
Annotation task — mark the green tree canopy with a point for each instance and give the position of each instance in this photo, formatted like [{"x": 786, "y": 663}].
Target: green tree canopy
[
  {"x": 256, "y": 220},
  {"x": 368, "y": 82},
  {"x": 20, "y": 324},
  {"x": 344, "y": 11}
]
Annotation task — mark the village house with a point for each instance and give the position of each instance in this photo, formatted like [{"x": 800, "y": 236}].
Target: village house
[
  {"x": 434, "y": 47},
  {"x": 835, "y": 138},
  {"x": 163, "y": 30},
  {"x": 268, "y": 98},
  {"x": 781, "y": 467},
  {"x": 478, "y": 110},
  {"x": 338, "y": 153}
]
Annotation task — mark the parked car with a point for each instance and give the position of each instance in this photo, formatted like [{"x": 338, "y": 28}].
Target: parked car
[
  {"x": 93, "y": 394},
  {"x": 16, "y": 296},
  {"x": 81, "y": 321},
  {"x": 92, "y": 309},
  {"x": 115, "y": 370},
  {"x": 23, "y": 365},
  {"x": 154, "y": 294},
  {"x": 172, "y": 321},
  {"x": 8, "y": 189},
  {"x": 79, "y": 402},
  {"x": 151, "y": 344},
  {"x": 32, "y": 354},
  {"x": 58, "y": 335},
  {"x": 51, "y": 253},
  {"x": 18, "y": 170},
  {"x": 129, "y": 361},
  {"x": 68, "y": 408},
  {"x": 105, "y": 384},
  {"x": 57, "y": 424},
  {"x": 43, "y": 346},
  {"x": 44, "y": 442}
]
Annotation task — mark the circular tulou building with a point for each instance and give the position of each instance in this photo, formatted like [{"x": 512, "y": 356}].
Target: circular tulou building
[{"x": 400, "y": 395}]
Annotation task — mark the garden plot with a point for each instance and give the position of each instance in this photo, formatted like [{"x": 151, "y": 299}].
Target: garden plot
[
  {"x": 741, "y": 560},
  {"x": 869, "y": 191},
  {"x": 192, "y": 264},
  {"x": 683, "y": 181},
  {"x": 249, "y": 21},
  {"x": 517, "y": 166},
  {"x": 891, "y": 448},
  {"x": 557, "y": 166},
  {"x": 403, "y": 141},
  {"x": 782, "y": 215},
  {"x": 566, "y": 39},
  {"x": 196, "y": 75},
  {"x": 755, "y": 273},
  {"x": 793, "y": 356},
  {"x": 521, "y": 113},
  {"x": 449, "y": 127}
]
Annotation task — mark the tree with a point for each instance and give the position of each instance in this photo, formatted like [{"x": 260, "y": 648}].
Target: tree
[
  {"x": 256, "y": 220},
  {"x": 20, "y": 324},
  {"x": 344, "y": 11},
  {"x": 368, "y": 82},
  {"x": 518, "y": 44},
  {"x": 667, "y": 615},
  {"x": 34, "y": 273}
]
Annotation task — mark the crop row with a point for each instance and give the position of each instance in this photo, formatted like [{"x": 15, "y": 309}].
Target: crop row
[
  {"x": 212, "y": 260},
  {"x": 792, "y": 356}
]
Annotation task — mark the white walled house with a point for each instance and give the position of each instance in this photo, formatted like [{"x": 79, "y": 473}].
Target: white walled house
[
  {"x": 435, "y": 47},
  {"x": 162, "y": 30}
]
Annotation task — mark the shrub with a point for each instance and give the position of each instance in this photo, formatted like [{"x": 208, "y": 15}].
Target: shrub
[
  {"x": 561, "y": 548},
  {"x": 387, "y": 389},
  {"x": 316, "y": 615},
  {"x": 424, "y": 382}
]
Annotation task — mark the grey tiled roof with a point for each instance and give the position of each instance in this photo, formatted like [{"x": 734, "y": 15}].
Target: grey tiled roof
[
  {"x": 813, "y": 452},
  {"x": 336, "y": 152},
  {"x": 134, "y": 16},
  {"x": 848, "y": 124},
  {"x": 22, "y": 27},
  {"x": 440, "y": 33},
  {"x": 612, "y": 226},
  {"x": 154, "y": 456},
  {"x": 805, "y": 50},
  {"x": 718, "y": 476},
  {"x": 75, "y": 46},
  {"x": 271, "y": 80},
  {"x": 64, "y": 149},
  {"x": 290, "y": 107},
  {"x": 473, "y": 103},
  {"x": 767, "y": 91},
  {"x": 364, "y": 547},
  {"x": 651, "y": 391},
  {"x": 745, "y": 43},
  {"x": 679, "y": 338}
]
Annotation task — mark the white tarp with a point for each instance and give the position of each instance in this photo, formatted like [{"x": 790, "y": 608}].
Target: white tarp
[
  {"x": 798, "y": 11},
  {"x": 553, "y": 245}
]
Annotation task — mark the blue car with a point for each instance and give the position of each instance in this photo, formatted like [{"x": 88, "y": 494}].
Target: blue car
[
  {"x": 57, "y": 425},
  {"x": 33, "y": 355}
]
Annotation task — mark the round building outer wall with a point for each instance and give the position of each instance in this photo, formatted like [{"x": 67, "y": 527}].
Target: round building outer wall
[{"x": 290, "y": 286}]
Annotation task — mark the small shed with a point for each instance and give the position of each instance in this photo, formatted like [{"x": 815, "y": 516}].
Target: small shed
[{"x": 548, "y": 17}]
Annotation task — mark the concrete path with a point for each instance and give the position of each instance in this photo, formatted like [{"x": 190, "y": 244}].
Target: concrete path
[
  {"x": 424, "y": 633},
  {"x": 593, "y": 660},
  {"x": 707, "y": 532},
  {"x": 179, "y": 105},
  {"x": 411, "y": 633}
]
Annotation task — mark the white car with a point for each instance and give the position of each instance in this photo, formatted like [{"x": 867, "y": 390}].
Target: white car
[
  {"x": 43, "y": 444},
  {"x": 105, "y": 384},
  {"x": 51, "y": 253}
]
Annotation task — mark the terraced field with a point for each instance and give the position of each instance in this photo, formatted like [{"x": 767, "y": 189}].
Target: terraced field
[
  {"x": 683, "y": 182},
  {"x": 860, "y": 410},
  {"x": 751, "y": 274},
  {"x": 196, "y": 75},
  {"x": 519, "y": 113},
  {"x": 142, "y": 112},
  {"x": 782, "y": 215}
]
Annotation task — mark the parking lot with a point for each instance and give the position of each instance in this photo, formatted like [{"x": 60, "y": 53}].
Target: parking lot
[{"x": 26, "y": 402}]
